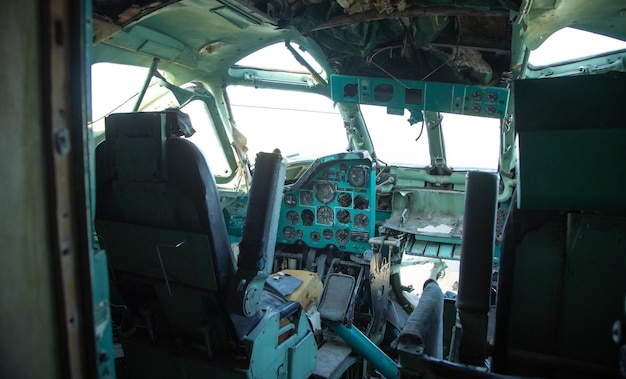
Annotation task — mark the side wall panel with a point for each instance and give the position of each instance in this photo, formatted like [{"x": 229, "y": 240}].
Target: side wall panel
[{"x": 28, "y": 347}]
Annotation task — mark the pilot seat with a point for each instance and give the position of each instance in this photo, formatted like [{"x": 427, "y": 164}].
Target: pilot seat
[{"x": 158, "y": 215}]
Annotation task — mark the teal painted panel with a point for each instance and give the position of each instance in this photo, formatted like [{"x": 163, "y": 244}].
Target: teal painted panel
[
  {"x": 436, "y": 249},
  {"x": 302, "y": 358},
  {"x": 426, "y": 210},
  {"x": 456, "y": 254},
  {"x": 417, "y": 95},
  {"x": 306, "y": 217},
  {"x": 432, "y": 249},
  {"x": 160, "y": 50},
  {"x": 102, "y": 315},
  {"x": 418, "y": 247},
  {"x": 445, "y": 251},
  {"x": 442, "y": 98}
]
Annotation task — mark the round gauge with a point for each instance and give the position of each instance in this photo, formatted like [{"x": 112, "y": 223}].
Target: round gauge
[
  {"x": 306, "y": 198},
  {"x": 325, "y": 215},
  {"x": 344, "y": 199},
  {"x": 492, "y": 97},
  {"x": 358, "y": 175},
  {"x": 328, "y": 234},
  {"x": 361, "y": 220},
  {"x": 299, "y": 233},
  {"x": 290, "y": 200},
  {"x": 343, "y": 216},
  {"x": 361, "y": 202},
  {"x": 252, "y": 296},
  {"x": 342, "y": 236},
  {"x": 289, "y": 232},
  {"x": 477, "y": 95},
  {"x": 307, "y": 217},
  {"x": 325, "y": 192},
  {"x": 314, "y": 236},
  {"x": 292, "y": 217}
]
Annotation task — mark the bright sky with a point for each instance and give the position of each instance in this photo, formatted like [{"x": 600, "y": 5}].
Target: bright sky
[
  {"x": 111, "y": 85},
  {"x": 569, "y": 43},
  {"x": 278, "y": 57},
  {"x": 471, "y": 142}
]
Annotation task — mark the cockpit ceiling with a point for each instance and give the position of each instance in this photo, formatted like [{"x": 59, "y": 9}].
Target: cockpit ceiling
[
  {"x": 606, "y": 17},
  {"x": 437, "y": 40}
]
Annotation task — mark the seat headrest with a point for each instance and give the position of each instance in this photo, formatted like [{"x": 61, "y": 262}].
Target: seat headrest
[
  {"x": 571, "y": 133},
  {"x": 136, "y": 142}
]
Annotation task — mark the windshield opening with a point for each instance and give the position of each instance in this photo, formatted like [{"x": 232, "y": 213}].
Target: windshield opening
[
  {"x": 395, "y": 140},
  {"x": 278, "y": 58},
  {"x": 418, "y": 269},
  {"x": 206, "y": 138},
  {"x": 114, "y": 90},
  {"x": 569, "y": 44},
  {"x": 303, "y": 126},
  {"x": 471, "y": 142}
]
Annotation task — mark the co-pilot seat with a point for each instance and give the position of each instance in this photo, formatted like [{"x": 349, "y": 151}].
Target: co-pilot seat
[{"x": 159, "y": 217}]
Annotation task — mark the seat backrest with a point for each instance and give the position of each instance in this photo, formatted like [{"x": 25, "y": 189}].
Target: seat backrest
[
  {"x": 159, "y": 217},
  {"x": 561, "y": 279}
]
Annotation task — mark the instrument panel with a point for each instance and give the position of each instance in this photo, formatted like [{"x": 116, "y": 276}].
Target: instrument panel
[
  {"x": 418, "y": 95},
  {"x": 333, "y": 203}
]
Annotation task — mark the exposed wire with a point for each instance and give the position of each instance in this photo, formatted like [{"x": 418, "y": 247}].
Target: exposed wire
[
  {"x": 459, "y": 32},
  {"x": 122, "y": 103},
  {"x": 436, "y": 69},
  {"x": 382, "y": 168},
  {"x": 281, "y": 108},
  {"x": 421, "y": 131},
  {"x": 370, "y": 59}
]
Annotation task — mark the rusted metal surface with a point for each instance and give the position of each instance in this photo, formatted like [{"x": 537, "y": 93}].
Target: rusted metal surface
[
  {"x": 58, "y": 118},
  {"x": 374, "y": 15}
]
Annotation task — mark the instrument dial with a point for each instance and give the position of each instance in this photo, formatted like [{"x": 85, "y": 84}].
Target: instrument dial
[
  {"x": 361, "y": 220},
  {"x": 307, "y": 217},
  {"x": 289, "y": 233},
  {"x": 306, "y": 198},
  {"x": 328, "y": 234},
  {"x": 343, "y": 216},
  {"x": 358, "y": 175},
  {"x": 342, "y": 236},
  {"x": 251, "y": 298},
  {"x": 325, "y": 215},
  {"x": 344, "y": 199},
  {"x": 314, "y": 236},
  {"x": 292, "y": 217},
  {"x": 290, "y": 200},
  {"x": 325, "y": 192},
  {"x": 361, "y": 202}
]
